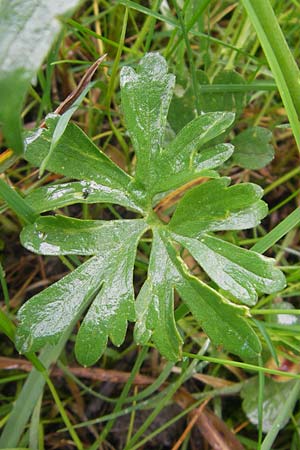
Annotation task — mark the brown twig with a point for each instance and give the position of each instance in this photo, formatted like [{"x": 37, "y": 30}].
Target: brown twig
[
  {"x": 78, "y": 90},
  {"x": 174, "y": 196}
]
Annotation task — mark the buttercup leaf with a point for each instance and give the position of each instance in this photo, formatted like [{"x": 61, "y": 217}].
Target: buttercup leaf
[
  {"x": 100, "y": 291},
  {"x": 252, "y": 148}
]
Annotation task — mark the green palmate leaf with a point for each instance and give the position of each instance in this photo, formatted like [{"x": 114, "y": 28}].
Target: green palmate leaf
[
  {"x": 146, "y": 95},
  {"x": 252, "y": 148},
  {"x": 213, "y": 206},
  {"x": 154, "y": 304},
  {"x": 238, "y": 271},
  {"x": 76, "y": 156},
  {"x": 103, "y": 285},
  {"x": 27, "y": 30}
]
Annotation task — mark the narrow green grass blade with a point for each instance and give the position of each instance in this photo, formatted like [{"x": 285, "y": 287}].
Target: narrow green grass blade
[
  {"x": 139, "y": 361},
  {"x": 16, "y": 203},
  {"x": 28, "y": 398},
  {"x": 169, "y": 392},
  {"x": 242, "y": 365},
  {"x": 34, "y": 425},
  {"x": 284, "y": 412},
  {"x": 64, "y": 415},
  {"x": 4, "y": 286},
  {"x": 260, "y": 403},
  {"x": 6, "y": 326},
  {"x": 266, "y": 242},
  {"x": 189, "y": 54},
  {"x": 279, "y": 56}
]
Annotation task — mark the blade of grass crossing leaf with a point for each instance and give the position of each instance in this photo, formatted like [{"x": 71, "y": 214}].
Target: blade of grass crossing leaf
[
  {"x": 16, "y": 203},
  {"x": 284, "y": 412},
  {"x": 266, "y": 242},
  {"x": 61, "y": 127},
  {"x": 280, "y": 59}
]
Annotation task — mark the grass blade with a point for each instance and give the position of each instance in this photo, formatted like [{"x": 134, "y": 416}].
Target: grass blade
[
  {"x": 266, "y": 242},
  {"x": 279, "y": 56}
]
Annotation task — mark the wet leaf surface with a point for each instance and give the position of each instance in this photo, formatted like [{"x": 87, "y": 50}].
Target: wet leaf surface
[{"x": 103, "y": 285}]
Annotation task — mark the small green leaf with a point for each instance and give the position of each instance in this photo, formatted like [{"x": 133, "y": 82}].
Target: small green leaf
[
  {"x": 155, "y": 304},
  {"x": 76, "y": 156},
  {"x": 55, "y": 196},
  {"x": 238, "y": 271},
  {"x": 225, "y": 93},
  {"x": 252, "y": 148},
  {"x": 146, "y": 94},
  {"x": 27, "y": 30},
  {"x": 212, "y": 206},
  {"x": 47, "y": 236},
  {"x": 275, "y": 395}
]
